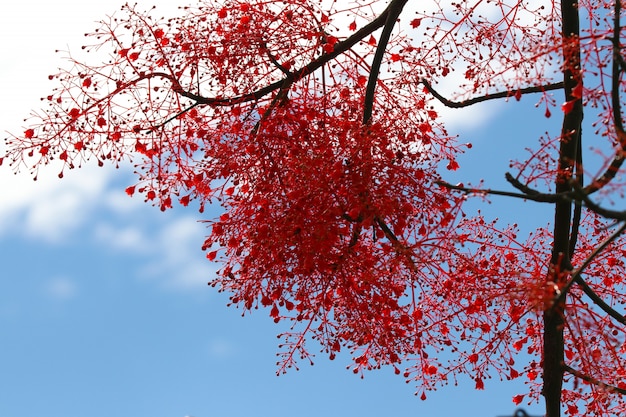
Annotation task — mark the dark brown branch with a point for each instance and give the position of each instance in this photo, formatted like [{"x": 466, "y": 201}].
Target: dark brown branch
[
  {"x": 554, "y": 317},
  {"x": 538, "y": 197},
  {"x": 577, "y": 278},
  {"x": 613, "y": 168},
  {"x": 617, "y": 69},
  {"x": 580, "y": 194},
  {"x": 501, "y": 94},
  {"x": 276, "y": 101},
  {"x": 578, "y": 208},
  {"x": 399, "y": 247},
  {"x": 530, "y": 193},
  {"x": 176, "y": 116},
  {"x": 274, "y": 61},
  {"x": 597, "y": 300},
  {"x": 340, "y": 48},
  {"x": 387, "y": 231},
  {"x": 394, "y": 10},
  {"x": 620, "y": 61},
  {"x": 593, "y": 381}
]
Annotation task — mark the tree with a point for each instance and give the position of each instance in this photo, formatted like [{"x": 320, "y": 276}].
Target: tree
[{"x": 313, "y": 124}]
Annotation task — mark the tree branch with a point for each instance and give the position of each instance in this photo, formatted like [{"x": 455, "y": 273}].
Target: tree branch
[
  {"x": 617, "y": 70},
  {"x": 532, "y": 194},
  {"x": 578, "y": 208},
  {"x": 395, "y": 242},
  {"x": 394, "y": 10},
  {"x": 501, "y": 94},
  {"x": 340, "y": 48},
  {"x": 593, "y": 381},
  {"x": 554, "y": 317},
  {"x": 581, "y": 195},
  {"x": 577, "y": 278},
  {"x": 538, "y": 197},
  {"x": 599, "y": 301}
]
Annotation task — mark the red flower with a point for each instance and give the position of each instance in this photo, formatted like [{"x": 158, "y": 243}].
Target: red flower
[
  {"x": 130, "y": 190},
  {"x": 74, "y": 113}
]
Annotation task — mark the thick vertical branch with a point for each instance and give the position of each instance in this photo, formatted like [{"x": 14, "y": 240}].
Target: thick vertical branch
[
  {"x": 554, "y": 317},
  {"x": 394, "y": 10}
]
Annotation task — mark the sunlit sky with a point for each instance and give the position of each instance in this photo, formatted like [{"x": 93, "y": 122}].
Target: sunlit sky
[{"x": 104, "y": 307}]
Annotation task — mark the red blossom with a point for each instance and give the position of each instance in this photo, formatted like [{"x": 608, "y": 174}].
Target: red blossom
[
  {"x": 130, "y": 190},
  {"x": 74, "y": 113},
  {"x": 568, "y": 106},
  {"x": 452, "y": 165},
  {"x": 184, "y": 200}
]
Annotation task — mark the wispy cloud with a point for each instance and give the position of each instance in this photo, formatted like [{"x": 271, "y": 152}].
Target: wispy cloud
[
  {"x": 61, "y": 288},
  {"x": 221, "y": 348},
  {"x": 168, "y": 243},
  {"x": 180, "y": 258},
  {"x": 49, "y": 209}
]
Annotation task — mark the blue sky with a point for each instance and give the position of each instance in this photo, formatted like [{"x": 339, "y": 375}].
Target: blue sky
[{"x": 104, "y": 307}]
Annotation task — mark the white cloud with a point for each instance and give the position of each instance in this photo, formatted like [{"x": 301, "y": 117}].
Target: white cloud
[
  {"x": 168, "y": 244},
  {"x": 129, "y": 239},
  {"x": 180, "y": 258},
  {"x": 49, "y": 208},
  {"x": 120, "y": 203},
  {"x": 221, "y": 348},
  {"x": 61, "y": 288}
]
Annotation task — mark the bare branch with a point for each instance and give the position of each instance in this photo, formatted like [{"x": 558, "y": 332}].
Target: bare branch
[
  {"x": 538, "y": 197},
  {"x": 577, "y": 278},
  {"x": 599, "y": 301},
  {"x": 581, "y": 195},
  {"x": 501, "y": 94},
  {"x": 529, "y": 192},
  {"x": 593, "y": 381}
]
